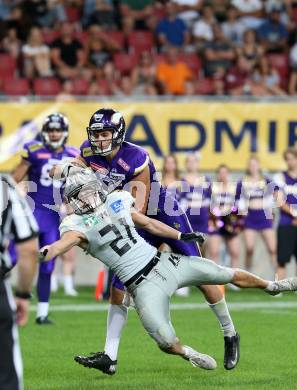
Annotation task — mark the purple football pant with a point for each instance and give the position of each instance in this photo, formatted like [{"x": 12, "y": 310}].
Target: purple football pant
[
  {"x": 180, "y": 223},
  {"x": 48, "y": 223}
]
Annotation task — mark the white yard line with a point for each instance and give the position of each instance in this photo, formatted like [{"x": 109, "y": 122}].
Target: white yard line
[{"x": 270, "y": 305}]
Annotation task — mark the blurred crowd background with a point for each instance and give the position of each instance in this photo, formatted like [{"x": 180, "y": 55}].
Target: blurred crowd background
[{"x": 64, "y": 48}]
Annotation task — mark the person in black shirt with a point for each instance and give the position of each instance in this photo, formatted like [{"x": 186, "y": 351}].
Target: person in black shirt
[{"x": 67, "y": 53}]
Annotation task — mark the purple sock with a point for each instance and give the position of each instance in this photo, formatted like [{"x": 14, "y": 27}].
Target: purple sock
[{"x": 44, "y": 281}]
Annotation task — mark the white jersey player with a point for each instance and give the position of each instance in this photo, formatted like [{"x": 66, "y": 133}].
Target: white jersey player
[{"x": 104, "y": 226}]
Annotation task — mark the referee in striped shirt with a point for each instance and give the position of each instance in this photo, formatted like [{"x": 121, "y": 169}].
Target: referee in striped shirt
[{"x": 17, "y": 223}]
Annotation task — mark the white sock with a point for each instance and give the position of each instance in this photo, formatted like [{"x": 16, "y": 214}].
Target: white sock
[
  {"x": 42, "y": 309},
  {"x": 221, "y": 311},
  {"x": 68, "y": 283},
  {"x": 54, "y": 283},
  {"x": 116, "y": 320}
]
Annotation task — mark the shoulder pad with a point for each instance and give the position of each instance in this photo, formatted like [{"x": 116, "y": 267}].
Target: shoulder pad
[
  {"x": 34, "y": 147},
  {"x": 87, "y": 152}
]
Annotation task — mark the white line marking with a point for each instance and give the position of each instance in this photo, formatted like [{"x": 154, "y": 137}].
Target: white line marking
[{"x": 180, "y": 306}]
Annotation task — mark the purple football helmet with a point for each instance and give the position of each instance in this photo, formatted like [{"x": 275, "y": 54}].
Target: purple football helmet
[
  {"x": 106, "y": 119},
  {"x": 58, "y": 122}
]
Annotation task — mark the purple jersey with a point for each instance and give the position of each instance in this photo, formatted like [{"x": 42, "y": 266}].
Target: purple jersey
[
  {"x": 123, "y": 168},
  {"x": 261, "y": 218},
  {"x": 195, "y": 201},
  {"x": 288, "y": 185},
  {"x": 41, "y": 159}
]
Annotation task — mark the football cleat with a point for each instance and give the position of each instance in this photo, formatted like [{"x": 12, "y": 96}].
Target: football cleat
[
  {"x": 198, "y": 359},
  {"x": 279, "y": 286},
  {"x": 99, "y": 361},
  {"x": 232, "y": 351},
  {"x": 70, "y": 292},
  {"x": 43, "y": 321}
]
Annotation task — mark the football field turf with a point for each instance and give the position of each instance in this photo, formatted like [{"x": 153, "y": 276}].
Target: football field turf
[{"x": 267, "y": 327}]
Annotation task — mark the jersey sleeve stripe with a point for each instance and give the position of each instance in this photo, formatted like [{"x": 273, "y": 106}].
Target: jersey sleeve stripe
[{"x": 141, "y": 168}]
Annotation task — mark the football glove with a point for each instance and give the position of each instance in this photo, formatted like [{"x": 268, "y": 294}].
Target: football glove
[
  {"x": 42, "y": 254},
  {"x": 193, "y": 236}
]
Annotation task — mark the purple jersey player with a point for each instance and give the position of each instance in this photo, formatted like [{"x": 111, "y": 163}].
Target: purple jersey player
[
  {"x": 224, "y": 221},
  {"x": 256, "y": 199},
  {"x": 195, "y": 195},
  {"x": 122, "y": 164},
  {"x": 287, "y": 228},
  {"x": 38, "y": 158}
]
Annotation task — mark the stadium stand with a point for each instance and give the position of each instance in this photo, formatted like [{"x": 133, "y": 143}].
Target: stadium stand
[{"x": 114, "y": 34}]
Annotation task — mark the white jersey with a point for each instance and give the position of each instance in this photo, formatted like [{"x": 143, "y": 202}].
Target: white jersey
[{"x": 112, "y": 237}]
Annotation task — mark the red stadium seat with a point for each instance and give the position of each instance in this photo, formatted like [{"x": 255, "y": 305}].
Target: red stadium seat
[
  {"x": 125, "y": 62},
  {"x": 7, "y": 66},
  {"x": 139, "y": 41},
  {"x": 16, "y": 87},
  {"x": 48, "y": 86},
  {"x": 49, "y": 36},
  {"x": 205, "y": 87},
  {"x": 80, "y": 86},
  {"x": 193, "y": 62},
  {"x": 118, "y": 37}
]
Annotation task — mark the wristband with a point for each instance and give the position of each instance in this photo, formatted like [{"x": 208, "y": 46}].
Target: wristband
[
  {"x": 179, "y": 236},
  {"x": 23, "y": 295}
]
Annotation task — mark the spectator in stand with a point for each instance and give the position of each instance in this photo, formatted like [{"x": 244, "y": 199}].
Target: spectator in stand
[
  {"x": 145, "y": 72},
  {"x": 250, "y": 12},
  {"x": 233, "y": 29},
  {"x": 293, "y": 75},
  {"x": 218, "y": 54},
  {"x": 172, "y": 73},
  {"x": 250, "y": 49},
  {"x": 67, "y": 54},
  {"x": 44, "y": 13},
  {"x": 20, "y": 21},
  {"x": 138, "y": 10},
  {"x": 103, "y": 15},
  {"x": 6, "y": 7},
  {"x": 219, "y": 8},
  {"x": 99, "y": 51},
  {"x": 66, "y": 94},
  {"x": 268, "y": 78},
  {"x": 272, "y": 33},
  {"x": 98, "y": 89},
  {"x": 202, "y": 29},
  {"x": 188, "y": 10},
  {"x": 124, "y": 88},
  {"x": 11, "y": 43},
  {"x": 238, "y": 80},
  {"x": 171, "y": 29},
  {"x": 36, "y": 55}
]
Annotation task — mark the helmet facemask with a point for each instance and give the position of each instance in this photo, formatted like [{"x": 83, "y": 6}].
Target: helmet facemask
[
  {"x": 84, "y": 193},
  {"x": 56, "y": 122},
  {"x": 54, "y": 144}
]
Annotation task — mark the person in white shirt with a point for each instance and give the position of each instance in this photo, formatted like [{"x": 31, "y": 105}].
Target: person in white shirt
[{"x": 250, "y": 12}]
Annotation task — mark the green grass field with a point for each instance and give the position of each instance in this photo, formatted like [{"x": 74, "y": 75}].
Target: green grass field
[{"x": 268, "y": 346}]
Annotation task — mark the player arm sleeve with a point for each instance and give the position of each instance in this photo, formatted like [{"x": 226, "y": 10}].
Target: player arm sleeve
[
  {"x": 141, "y": 164},
  {"x": 154, "y": 227}
]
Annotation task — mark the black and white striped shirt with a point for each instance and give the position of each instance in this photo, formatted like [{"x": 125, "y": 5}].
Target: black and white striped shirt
[{"x": 16, "y": 220}]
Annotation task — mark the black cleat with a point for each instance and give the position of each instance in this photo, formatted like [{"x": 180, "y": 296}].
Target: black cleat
[
  {"x": 232, "y": 352},
  {"x": 99, "y": 361},
  {"x": 43, "y": 321}
]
